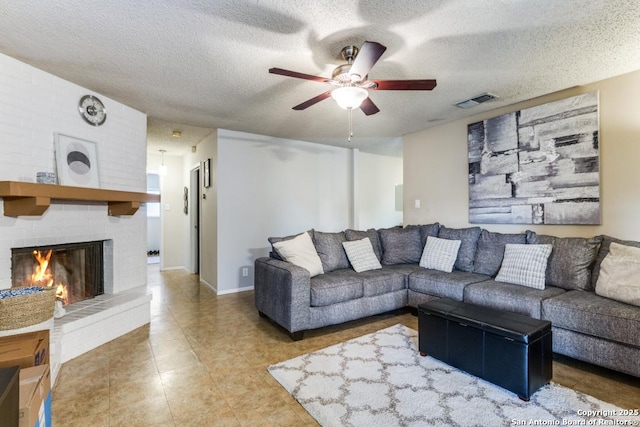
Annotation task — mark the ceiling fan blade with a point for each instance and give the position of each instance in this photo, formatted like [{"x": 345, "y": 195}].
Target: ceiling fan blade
[
  {"x": 312, "y": 101},
  {"x": 297, "y": 75},
  {"x": 368, "y": 107},
  {"x": 367, "y": 56},
  {"x": 404, "y": 84}
]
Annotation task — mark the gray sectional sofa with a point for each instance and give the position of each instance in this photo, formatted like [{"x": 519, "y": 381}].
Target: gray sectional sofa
[{"x": 586, "y": 326}]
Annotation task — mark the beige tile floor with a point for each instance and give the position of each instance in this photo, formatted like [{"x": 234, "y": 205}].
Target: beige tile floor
[{"x": 202, "y": 362}]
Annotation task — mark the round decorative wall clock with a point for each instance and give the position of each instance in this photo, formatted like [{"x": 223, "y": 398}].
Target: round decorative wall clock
[{"x": 92, "y": 110}]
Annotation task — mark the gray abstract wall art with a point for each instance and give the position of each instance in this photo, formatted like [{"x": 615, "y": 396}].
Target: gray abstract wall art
[{"x": 539, "y": 165}]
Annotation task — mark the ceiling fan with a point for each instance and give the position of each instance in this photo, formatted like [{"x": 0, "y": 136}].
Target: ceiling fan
[{"x": 351, "y": 80}]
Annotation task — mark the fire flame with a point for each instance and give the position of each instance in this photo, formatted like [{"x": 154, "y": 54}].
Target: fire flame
[
  {"x": 61, "y": 294},
  {"x": 42, "y": 276}
]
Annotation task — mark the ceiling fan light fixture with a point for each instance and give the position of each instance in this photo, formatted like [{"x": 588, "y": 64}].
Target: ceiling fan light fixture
[
  {"x": 349, "y": 97},
  {"x": 351, "y": 80}
]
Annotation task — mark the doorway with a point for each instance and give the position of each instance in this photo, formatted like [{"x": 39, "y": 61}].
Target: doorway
[
  {"x": 194, "y": 220},
  {"x": 154, "y": 227}
]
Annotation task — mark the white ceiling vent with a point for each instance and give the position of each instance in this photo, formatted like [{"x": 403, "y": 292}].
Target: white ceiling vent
[{"x": 476, "y": 101}]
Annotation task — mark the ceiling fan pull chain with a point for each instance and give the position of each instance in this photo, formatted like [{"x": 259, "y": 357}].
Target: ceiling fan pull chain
[{"x": 350, "y": 126}]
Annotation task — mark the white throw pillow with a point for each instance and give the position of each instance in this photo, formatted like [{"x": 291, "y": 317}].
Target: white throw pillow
[
  {"x": 440, "y": 254},
  {"x": 300, "y": 251},
  {"x": 524, "y": 265},
  {"x": 619, "y": 274},
  {"x": 361, "y": 255}
]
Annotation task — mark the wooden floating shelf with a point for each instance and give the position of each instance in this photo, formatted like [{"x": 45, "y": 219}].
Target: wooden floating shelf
[{"x": 30, "y": 199}]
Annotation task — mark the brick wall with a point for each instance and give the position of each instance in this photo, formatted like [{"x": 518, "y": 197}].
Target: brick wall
[{"x": 33, "y": 106}]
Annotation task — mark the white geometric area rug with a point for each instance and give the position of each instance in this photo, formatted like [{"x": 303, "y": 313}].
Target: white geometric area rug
[{"x": 380, "y": 379}]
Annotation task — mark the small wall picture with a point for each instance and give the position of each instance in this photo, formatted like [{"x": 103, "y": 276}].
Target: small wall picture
[
  {"x": 76, "y": 161},
  {"x": 206, "y": 177},
  {"x": 186, "y": 200}
]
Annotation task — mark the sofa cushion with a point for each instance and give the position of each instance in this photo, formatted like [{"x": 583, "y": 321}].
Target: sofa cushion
[
  {"x": 361, "y": 255},
  {"x": 335, "y": 287},
  {"x": 441, "y": 284},
  {"x": 330, "y": 250},
  {"x": 382, "y": 282},
  {"x": 598, "y": 351},
  {"x": 619, "y": 273},
  {"x": 570, "y": 262},
  {"x": 469, "y": 243},
  {"x": 590, "y": 314},
  {"x": 491, "y": 251},
  {"x": 372, "y": 234},
  {"x": 427, "y": 230},
  {"x": 506, "y": 296},
  {"x": 405, "y": 269},
  {"x": 301, "y": 252},
  {"x": 440, "y": 254},
  {"x": 604, "y": 250},
  {"x": 400, "y": 245},
  {"x": 524, "y": 265}
]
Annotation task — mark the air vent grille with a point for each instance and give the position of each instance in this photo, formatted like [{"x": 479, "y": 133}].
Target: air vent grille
[{"x": 476, "y": 101}]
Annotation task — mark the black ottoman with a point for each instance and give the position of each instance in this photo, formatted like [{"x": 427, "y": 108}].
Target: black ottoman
[{"x": 507, "y": 349}]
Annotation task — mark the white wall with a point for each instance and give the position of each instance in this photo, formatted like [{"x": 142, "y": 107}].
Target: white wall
[
  {"x": 154, "y": 233},
  {"x": 206, "y": 149},
  {"x": 35, "y": 104},
  {"x": 377, "y": 177},
  {"x": 436, "y": 165},
  {"x": 171, "y": 214},
  {"x": 263, "y": 186},
  {"x": 274, "y": 187},
  {"x": 154, "y": 227}
]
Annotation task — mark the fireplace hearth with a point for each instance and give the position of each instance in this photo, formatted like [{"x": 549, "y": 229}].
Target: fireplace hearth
[{"x": 76, "y": 270}]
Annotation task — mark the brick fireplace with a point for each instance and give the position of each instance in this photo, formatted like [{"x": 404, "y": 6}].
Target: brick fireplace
[{"x": 27, "y": 147}]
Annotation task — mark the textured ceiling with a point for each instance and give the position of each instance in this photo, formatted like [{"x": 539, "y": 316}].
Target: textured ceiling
[{"x": 204, "y": 63}]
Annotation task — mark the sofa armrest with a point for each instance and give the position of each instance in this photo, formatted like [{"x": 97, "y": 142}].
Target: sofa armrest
[{"x": 283, "y": 293}]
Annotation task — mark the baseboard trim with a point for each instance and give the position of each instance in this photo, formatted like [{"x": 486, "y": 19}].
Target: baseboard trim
[
  {"x": 236, "y": 291},
  {"x": 173, "y": 268},
  {"x": 209, "y": 285}
]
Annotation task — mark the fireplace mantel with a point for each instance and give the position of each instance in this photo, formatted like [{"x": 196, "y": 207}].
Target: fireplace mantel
[{"x": 30, "y": 199}]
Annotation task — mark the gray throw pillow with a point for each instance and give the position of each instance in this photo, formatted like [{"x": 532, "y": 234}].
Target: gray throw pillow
[
  {"x": 491, "y": 251},
  {"x": 569, "y": 265},
  {"x": 372, "y": 234},
  {"x": 330, "y": 250},
  {"x": 428, "y": 230},
  {"x": 469, "y": 243},
  {"x": 604, "y": 251},
  {"x": 400, "y": 245}
]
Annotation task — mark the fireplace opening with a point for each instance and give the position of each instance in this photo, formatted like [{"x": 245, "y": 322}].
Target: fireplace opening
[{"x": 76, "y": 270}]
